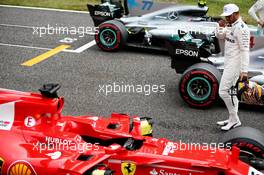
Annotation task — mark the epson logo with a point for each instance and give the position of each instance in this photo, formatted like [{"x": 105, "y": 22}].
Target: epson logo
[
  {"x": 99, "y": 13},
  {"x": 189, "y": 53}
]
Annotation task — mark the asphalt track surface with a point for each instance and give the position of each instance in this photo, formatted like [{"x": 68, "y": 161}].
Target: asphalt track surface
[{"x": 81, "y": 75}]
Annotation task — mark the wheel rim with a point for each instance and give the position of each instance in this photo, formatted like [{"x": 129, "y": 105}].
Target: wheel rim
[
  {"x": 108, "y": 37},
  {"x": 199, "y": 89},
  {"x": 246, "y": 155}
]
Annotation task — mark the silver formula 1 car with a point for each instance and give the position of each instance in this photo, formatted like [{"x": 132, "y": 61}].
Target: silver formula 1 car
[
  {"x": 150, "y": 30},
  {"x": 201, "y": 74},
  {"x": 166, "y": 29}
]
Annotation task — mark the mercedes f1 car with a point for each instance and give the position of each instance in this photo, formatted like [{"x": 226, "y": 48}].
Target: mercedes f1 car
[
  {"x": 201, "y": 73},
  {"x": 37, "y": 140},
  {"x": 152, "y": 30}
]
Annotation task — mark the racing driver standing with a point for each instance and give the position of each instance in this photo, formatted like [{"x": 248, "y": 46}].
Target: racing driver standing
[{"x": 237, "y": 38}]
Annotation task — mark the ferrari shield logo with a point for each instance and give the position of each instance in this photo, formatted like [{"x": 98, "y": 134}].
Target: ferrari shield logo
[
  {"x": 1, "y": 165},
  {"x": 128, "y": 168}
]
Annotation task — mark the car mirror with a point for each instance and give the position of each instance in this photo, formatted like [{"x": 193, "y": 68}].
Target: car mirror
[{"x": 114, "y": 148}]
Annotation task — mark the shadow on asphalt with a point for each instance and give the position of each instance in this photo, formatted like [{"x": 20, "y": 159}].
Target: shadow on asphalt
[
  {"x": 252, "y": 108},
  {"x": 146, "y": 51}
]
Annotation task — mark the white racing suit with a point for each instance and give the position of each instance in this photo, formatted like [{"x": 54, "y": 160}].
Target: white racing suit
[
  {"x": 257, "y": 13},
  {"x": 237, "y": 39}
]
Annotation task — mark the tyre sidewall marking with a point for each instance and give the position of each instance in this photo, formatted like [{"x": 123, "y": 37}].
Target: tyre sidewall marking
[
  {"x": 204, "y": 74},
  {"x": 250, "y": 146}
]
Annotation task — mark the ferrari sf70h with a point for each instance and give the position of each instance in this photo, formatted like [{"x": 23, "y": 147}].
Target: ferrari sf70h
[{"x": 37, "y": 140}]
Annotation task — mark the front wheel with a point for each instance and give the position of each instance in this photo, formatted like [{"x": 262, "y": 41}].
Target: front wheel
[
  {"x": 250, "y": 141},
  {"x": 199, "y": 85}
]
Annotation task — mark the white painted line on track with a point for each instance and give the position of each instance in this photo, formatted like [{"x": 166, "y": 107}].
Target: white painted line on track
[
  {"x": 78, "y": 50},
  {"x": 85, "y": 47},
  {"x": 18, "y": 26},
  {"x": 32, "y": 47},
  {"x": 45, "y": 28},
  {"x": 41, "y": 8},
  {"x": 22, "y": 46}
]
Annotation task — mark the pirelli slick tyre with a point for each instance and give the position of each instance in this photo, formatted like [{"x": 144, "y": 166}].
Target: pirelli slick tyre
[
  {"x": 250, "y": 141},
  {"x": 112, "y": 36},
  {"x": 199, "y": 85}
]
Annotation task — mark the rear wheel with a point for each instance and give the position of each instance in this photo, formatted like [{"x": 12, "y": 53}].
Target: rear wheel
[
  {"x": 250, "y": 141},
  {"x": 199, "y": 85},
  {"x": 112, "y": 36}
]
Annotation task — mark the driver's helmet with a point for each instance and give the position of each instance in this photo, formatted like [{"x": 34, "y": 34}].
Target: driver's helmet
[{"x": 201, "y": 3}]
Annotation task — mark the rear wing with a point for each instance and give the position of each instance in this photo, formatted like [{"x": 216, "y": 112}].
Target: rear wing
[
  {"x": 185, "y": 50},
  {"x": 104, "y": 12},
  {"x": 50, "y": 90}
]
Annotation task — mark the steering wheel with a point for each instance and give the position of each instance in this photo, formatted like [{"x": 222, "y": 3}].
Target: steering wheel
[{"x": 129, "y": 144}]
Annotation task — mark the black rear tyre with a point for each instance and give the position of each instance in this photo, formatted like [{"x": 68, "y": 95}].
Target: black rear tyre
[
  {"x": 112, "y": 36},
  {"x": 199, "y": 85}
]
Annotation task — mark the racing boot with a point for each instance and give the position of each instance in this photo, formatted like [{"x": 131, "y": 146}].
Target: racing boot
[
  {"x": 222, "y": 123},
  {"x": 233, "y": 123}
]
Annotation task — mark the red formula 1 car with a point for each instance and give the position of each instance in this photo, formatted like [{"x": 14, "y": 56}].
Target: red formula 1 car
[{"x": 37, "y": 140}]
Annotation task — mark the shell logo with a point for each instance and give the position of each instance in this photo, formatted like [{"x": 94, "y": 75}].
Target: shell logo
[
  {"x": 1, "y": 165},
  {"x": 21, "y": 168}
]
